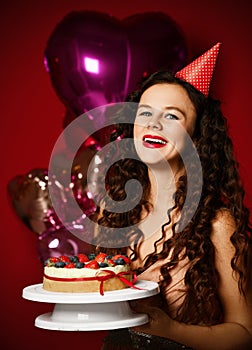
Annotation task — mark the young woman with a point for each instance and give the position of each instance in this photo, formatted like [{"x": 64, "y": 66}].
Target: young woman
[{"x": 200, "y": 249}]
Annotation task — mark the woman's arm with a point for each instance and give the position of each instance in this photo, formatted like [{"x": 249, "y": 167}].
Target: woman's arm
[
  {"x": 225, "y": 336},
  {"x": 236, "y": 330}
]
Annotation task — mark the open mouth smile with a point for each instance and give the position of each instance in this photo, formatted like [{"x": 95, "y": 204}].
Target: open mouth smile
[{"x": 154, "y": 141}]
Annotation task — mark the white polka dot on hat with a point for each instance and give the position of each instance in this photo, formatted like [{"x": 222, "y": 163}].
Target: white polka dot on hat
[{"x": 199, "y": 72}]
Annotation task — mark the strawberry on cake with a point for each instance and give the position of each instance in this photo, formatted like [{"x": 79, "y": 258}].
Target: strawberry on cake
[{"x": 88, "y": 273}]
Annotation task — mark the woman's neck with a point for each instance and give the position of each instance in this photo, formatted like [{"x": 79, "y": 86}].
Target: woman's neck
[
  {"x": 163, "y": 187},
  {"x": 163, "y": 183}
]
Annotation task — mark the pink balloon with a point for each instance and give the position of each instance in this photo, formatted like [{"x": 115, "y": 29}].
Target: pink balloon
[
  {"x": 57, "y": 242},
  {"x": 87, "y": 56},
  {"x": 94, "y": 58}
]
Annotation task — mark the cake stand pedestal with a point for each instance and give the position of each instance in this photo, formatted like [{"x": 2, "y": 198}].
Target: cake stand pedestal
[{"x": 91, "y": 311}]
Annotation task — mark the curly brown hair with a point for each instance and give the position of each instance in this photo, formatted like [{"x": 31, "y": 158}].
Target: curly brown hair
[{"x": 222, "y": 188}]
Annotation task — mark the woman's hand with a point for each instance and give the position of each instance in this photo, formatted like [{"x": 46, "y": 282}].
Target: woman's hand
[{"x": 160, "y": 324}]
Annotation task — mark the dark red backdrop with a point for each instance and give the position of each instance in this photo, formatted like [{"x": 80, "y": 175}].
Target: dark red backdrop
[{"x": 32, "y": 115}]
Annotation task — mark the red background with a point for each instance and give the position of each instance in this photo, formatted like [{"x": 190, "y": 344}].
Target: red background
[{"x": 32, "y": 115}]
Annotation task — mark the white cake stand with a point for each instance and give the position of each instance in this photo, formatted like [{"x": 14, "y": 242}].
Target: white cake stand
[{"x": 91, "y": 311}]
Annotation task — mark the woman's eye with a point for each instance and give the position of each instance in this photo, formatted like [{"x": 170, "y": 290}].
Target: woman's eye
[
  {"x": 145, "y": 114},
  {"x": 171, "y": 116}
]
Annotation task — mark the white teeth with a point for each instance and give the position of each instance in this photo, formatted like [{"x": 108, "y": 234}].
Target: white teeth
[{"x": 148, "y": 139}]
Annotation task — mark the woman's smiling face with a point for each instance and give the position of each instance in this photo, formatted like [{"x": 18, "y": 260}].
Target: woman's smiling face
[{"x": 165, "y": 115}]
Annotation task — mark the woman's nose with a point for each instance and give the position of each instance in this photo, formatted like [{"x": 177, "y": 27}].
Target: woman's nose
[{"x": 154, "y": 123}]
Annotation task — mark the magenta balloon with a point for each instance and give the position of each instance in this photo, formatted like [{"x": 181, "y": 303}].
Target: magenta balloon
[
  {"x": 156, "y": 42},
  {"x": 87, "y": 58},
  {"x": 94, "y": 59},
  {"x": 56, "y": 242}
]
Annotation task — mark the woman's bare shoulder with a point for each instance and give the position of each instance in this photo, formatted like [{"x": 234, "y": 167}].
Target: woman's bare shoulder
[
  {"x": 223, "y": 226},
  {"x": 236, "y": 308}
]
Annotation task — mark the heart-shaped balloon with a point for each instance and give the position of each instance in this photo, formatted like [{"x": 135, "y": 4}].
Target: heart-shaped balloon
[
  {"x": 87, "y": 56},
  {"x": 94, "y": 58}
]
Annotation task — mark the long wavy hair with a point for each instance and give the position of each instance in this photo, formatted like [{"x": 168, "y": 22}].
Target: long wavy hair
[{"x": 222, "y": 188}]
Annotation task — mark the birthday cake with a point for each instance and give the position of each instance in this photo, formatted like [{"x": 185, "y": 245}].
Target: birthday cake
[{"x": 88, "y": 273}]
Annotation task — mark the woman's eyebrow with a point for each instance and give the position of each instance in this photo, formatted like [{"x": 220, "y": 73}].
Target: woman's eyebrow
[
  {"x": 176, "y": 108},
  {"x": 144, "y": 106}
]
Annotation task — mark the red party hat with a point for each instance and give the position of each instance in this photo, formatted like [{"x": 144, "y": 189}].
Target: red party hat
[{"x": 199, "y": 72}]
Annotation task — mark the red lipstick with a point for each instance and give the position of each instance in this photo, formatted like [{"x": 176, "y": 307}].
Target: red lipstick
[{"x": 154, "y": 141}]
